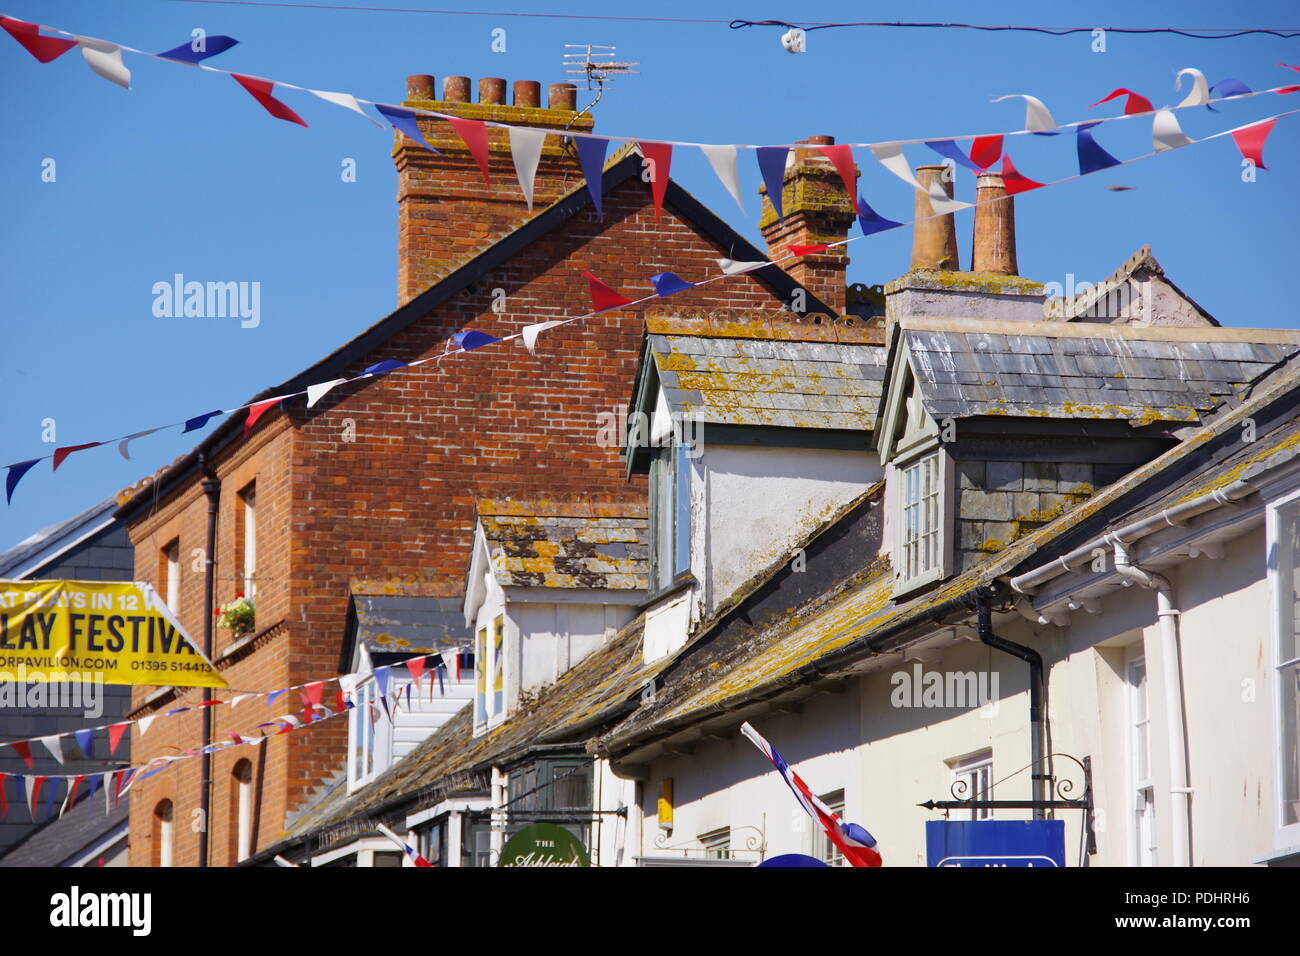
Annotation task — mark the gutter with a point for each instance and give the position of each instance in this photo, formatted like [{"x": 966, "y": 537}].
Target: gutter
[{"x": 1032, "y": 580}]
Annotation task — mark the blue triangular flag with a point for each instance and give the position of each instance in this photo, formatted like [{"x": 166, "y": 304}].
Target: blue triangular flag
[
  {"x": 950, "y": 150},
  {"x": 387, "y": 365},
  {"x": 85, "y": 740},
  {"x": 49, "y": 797},
  {"x": 1228, "y": 87},
  {"x": 771, "y": 163},
  {"x": 381, "y": 680},
  {"x": 211, "y": 47},
  {"x": 15, "y": 475},
  {"x": 591, "y": 157},
  {"x": 473, "y": 339},
  {"x": 198, "y": 421},
  {"x": 403, "y": 121},
  {"x": 1091, "y": 156},
  {"x": 871, "y": 221},
  {"x": 270, "y": 698},
  {"x": 94, "y": 785},
  {"x": 666, "y": 283}
]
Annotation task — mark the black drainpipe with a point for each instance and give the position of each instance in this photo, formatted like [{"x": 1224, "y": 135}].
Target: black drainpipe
[
  {"x": 1038, "y": 773},
  {"x": 211, "y": 488}
]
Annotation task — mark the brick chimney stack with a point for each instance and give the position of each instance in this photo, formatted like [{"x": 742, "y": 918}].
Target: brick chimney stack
[
  {"x": 934, "y": 242},
  {"x": 994, "y": 246},
  {"x": 445, "y": 212},
  {"x": 817, "y": 209}
]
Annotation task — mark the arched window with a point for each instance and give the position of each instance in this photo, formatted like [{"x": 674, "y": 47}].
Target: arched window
[
  {"x": 163, "y": 834},
  {"x": 242, "y": 787}
]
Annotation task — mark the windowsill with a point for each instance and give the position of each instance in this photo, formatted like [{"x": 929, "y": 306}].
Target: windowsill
[
  {"x": 682, "y": 582},
  {"x": 1277, "y": 856},
  {"x": 904, "y": 590}
]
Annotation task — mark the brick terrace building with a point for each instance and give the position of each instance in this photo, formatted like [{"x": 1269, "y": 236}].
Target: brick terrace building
[{"x": 372, "y": 490}]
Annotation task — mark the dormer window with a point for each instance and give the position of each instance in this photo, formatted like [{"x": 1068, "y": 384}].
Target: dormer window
[{"x": 924, "y": 497}]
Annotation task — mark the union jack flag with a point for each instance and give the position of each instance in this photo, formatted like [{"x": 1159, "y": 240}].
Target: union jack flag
[
  {"x": 409, "y": 850},
  {"x": 857, "y": 845}
]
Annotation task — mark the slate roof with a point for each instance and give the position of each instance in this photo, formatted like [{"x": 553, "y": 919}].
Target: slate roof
[
  {"x": 63, "y": 840},
  {"x": 408, "y": 624},
  {"x": 968, "y": 368},
  {"x": 451, "y": 760},
  {"x": 789, "y": 384},
  {"x": 571, "y": 545},
  {"x": 12, "y": 561}
]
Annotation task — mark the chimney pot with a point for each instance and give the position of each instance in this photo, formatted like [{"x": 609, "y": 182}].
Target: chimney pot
[
  {"x": 994, "y": 245},
  {"x": 562, "y": 96},
  {"x": 455, "y": 89},
  {"x": 528, "y": 93},
  {"x": 492, "y": 89},
  {"x": 419, "y": 86},
  {"x": 934, "y": 242}
]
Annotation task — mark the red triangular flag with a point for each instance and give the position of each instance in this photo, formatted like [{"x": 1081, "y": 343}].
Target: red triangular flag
[
  {"x": 44, "y": 49},
  {"x": 842, "y": 158},
  {"x": 4, "y": 798},
  {"x": 1250, "y": 140},
  {"x": 801, "y": 250},
  {"x": 1135, "y": 103},
  {"x": 985, "y": 150},
  {"x": 314, "y": 691},
  {"x": 603, "y": 297},
  {"x": 24, "y": 749},
  {"x": 62, "y": 453},
  {"x": 340, "y": 702},
  {"x": 257, "y": 411},
  {"x": 416, "y": 666},
  {"x": 661, "y": 160},
  {"x": 1012, "y": 179},
  {"x": 473, "y": 134},
  {"x": 260, "y": 90},
  {"x": 115, "y": 732}
]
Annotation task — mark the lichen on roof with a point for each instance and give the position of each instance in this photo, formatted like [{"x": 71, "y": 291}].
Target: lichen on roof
[{"x": 567, "y": 545}]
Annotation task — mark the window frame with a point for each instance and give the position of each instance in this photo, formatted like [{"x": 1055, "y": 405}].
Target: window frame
[
  {"x": 716, "y": 843},
  {"x": 248, "y": 540},
  {"x": 945, "y": 491},
  {"x": 971, "y": 767},
  {"x": 823, "y": 848},
  {"x": 1135, "y": 738},
  {"x": 170, "y": 576},
  {"x": 1286, "y": 836},
  {"x": 670, "y": 514},
  {"x": 243, "y": 779}
]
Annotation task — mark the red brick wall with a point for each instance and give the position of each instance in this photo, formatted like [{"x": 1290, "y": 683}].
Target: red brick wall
[{"x": 398, "y": 501}]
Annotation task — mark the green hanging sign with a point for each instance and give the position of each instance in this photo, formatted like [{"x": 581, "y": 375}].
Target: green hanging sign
[{"x": 544, "y": 844}]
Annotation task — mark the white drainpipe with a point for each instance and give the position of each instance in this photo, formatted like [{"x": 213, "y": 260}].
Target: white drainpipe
[{"x": 1180, "y": 793}]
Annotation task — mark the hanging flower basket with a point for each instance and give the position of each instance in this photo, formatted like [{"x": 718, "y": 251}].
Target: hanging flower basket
[{"x": 237, "y": 615}]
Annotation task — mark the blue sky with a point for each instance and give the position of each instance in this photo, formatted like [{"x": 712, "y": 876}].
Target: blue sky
[{"x": 186, "y": 173}]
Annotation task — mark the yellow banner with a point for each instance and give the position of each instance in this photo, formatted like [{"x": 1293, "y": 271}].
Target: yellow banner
[{"x": 110, "y": 631}]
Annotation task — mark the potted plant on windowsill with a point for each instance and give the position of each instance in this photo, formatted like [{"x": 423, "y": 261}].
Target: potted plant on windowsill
[{"x": 237, "y": 615}]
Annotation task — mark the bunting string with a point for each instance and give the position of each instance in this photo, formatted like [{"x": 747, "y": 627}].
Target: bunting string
[
  {"x": 312, "y": 692},
  {"x": 104, "y": 58},
  {"x": 1166, "y": 136}
]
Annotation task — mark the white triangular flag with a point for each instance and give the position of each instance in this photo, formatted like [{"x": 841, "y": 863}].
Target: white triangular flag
[
  {"x": 108, "y": 780},
  {"x": 892, "y": 158},
  {"x": 1166, "y": 134},
  {"x": 1037, "y": 118},
  {"x": 731, "y": 267},
  {"x": 345, "y": 100},
  {"x": 526, "y": 151},
  {"x": 234, "y": 701},
  {"x": 125, "y": 442},
  {"x": 316, "y": 392},
  {"x": 529, "y": 333},
  {"x": 723, "y": 161},
  {"x": 105, "y": 59},
  {"x": 145, "y": 722},
  {"x": 53, "y": 746},
  {"x": 30, "y": 783},
  {"x": 1199, "y": 94}
]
